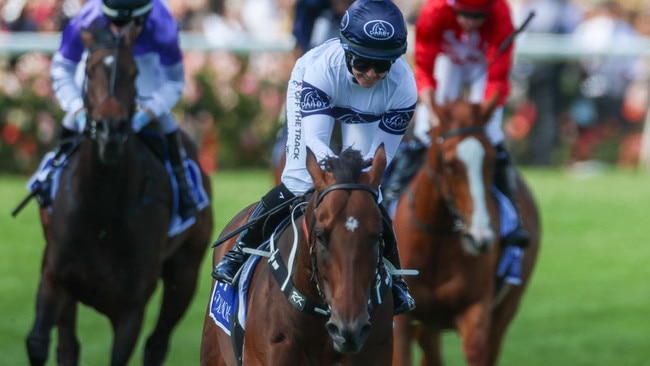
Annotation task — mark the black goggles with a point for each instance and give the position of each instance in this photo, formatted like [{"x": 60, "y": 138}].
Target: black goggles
[
  {"x": 468, "y": 15},
  {"x": 364, "y": 64}
]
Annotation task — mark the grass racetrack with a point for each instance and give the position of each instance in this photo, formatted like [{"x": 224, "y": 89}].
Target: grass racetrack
[{"x": 588, "y": 303}]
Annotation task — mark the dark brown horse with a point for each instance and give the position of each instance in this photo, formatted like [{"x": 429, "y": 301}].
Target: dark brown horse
[
  {"x": 447, "y": 225},
  {"x": 334, "y": 258},
  {"x": 106, "y": 235}
]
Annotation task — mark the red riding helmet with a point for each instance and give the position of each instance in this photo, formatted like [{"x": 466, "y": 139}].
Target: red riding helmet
[{"x": 471, "y": 6}]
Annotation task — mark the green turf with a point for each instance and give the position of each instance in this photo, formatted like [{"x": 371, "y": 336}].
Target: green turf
[{"x": 587, "y": 304}]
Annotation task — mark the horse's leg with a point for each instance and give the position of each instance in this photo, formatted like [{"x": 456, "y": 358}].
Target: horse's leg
[
  {"x": 68, "y": 348},
  {"x": 210, "y": 352},
  {"x": 49, "y": 302},
  {"x": 429, "y": 342},
  {"x": 179, "y": 276},
  {"x": 501, "y": 318},
  {"x": 402, "y": 337},
  {"x": 126, "y": 329},
  {"x": 473, "y": 327}
]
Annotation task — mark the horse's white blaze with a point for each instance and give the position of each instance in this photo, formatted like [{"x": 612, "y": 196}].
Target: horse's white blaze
[
  {"x": 471, "y": 152},
  {"x": 352, "y": 223}
]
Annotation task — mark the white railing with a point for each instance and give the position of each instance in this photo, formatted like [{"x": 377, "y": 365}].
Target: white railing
[
  {"x": 528, "y": 45},
  {"x": 534, "y": 46}
]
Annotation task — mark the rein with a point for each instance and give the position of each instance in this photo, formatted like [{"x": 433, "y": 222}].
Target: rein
[{"x": 457, "y": 217}]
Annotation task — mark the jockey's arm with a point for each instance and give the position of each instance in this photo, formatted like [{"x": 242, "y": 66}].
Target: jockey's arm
[
  {"x": 164, "y": 98},
  {"x": 318, "y": 133}
]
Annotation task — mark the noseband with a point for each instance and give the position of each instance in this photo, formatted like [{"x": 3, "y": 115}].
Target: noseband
[{"x": 457, "y": 217}]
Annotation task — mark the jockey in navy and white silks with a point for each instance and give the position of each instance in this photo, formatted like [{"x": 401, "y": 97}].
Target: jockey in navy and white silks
[
  {"x": 322, "y": 90},
  {"x": 360, "y": 80},
  {"x": 160, "y": 81}
]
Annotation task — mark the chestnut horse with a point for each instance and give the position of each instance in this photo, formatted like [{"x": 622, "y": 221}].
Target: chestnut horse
[
  {"x": 333, "y": 260},
  {"x": 447, "y": 225},
  {"x": 106, "y": 233}
]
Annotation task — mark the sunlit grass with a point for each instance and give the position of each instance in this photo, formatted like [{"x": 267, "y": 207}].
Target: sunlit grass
[{"x": 587, "y": 303}]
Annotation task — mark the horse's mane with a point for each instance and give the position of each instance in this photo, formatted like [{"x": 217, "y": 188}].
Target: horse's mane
[{"x": 346, "y": 167}]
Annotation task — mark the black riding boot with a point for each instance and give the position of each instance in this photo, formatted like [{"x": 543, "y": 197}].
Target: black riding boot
[
  {"x": 406, "y": 163},
  {"x": 402, "y": 300},
  {"x": 256, "y": 233},
  {"x": 506, "y": 181},
  {"x": 186, "y": 202}
]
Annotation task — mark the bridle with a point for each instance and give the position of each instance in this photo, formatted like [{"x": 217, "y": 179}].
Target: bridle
[
  {"x": 346, "y": 187},
  {"x": 116, "y": 45},
  {"x": 443, "y": 189},
  {"x": 311, "y": 238},
  {"x": 283, "y": 275}
]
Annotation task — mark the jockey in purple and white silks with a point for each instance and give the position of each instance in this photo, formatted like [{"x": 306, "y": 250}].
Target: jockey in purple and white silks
[
  {"x": 360, "y": 80},
  {"x": 160, "y": 82}
]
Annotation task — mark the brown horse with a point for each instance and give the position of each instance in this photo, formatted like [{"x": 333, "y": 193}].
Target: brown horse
[
  {"x": 447, "y": 225},
  {"x": 107, "y": 242},
  {"x": 333, "y": 257}
]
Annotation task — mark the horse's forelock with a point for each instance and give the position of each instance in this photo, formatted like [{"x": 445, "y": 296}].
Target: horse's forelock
[
  {"x": 101, "y": 33},
  {"x": 347, "y": 167}
]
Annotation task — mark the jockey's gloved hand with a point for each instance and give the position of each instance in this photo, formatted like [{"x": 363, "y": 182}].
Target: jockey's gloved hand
[
  {"x": 80, "y": 120},
  {"x": 140, "y": 119}
]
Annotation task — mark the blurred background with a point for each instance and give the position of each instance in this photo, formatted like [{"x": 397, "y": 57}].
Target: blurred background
[
  {"x": 579, "y": 108},
  {"x": 580, "y": 96}
]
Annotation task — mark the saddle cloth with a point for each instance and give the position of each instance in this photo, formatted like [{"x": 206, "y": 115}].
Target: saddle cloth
[{"x": 177, "y": 225}]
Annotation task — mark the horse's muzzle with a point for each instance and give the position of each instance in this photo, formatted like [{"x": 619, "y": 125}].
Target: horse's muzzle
[
  {"x": 111, "y": 151},
  {"x": 348, "y": 338},
  {"x": 474, "y": 245}
]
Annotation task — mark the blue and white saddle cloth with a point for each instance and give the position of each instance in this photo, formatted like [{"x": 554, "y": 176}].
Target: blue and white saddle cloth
[
  {"x": 227, "y": 300},
  {"x": 46, "y": 176}
]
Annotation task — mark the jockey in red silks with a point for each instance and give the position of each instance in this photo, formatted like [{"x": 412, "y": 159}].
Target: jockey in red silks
[{"x": 461, "y": 44}]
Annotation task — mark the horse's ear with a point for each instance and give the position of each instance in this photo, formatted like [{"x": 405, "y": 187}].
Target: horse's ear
[
  {"x": 87, "y": 37},
  {"x": 488, "y": 107},
  {"x": 315, "y": 170},
  {"x": 378, "y": 166},
  {"x": 439, "y": 111},
  {"x": 131, "y": 35}
]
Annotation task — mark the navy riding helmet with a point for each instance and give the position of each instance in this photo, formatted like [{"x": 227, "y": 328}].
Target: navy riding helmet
[
  {"x": 374, "y": 29},
  {"x": 121, "y": 12}
]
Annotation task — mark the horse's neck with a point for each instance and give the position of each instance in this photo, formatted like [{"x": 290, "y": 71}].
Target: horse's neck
[{"x": 303, "y": 275}]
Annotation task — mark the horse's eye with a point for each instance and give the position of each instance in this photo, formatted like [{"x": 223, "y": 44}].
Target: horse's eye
[
  {"x": 452, "y": 167},
  {"x": 320, "y": 238}
]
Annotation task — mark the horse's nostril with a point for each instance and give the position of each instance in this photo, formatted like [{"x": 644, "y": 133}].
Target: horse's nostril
[
  {"x": 332, "y": 329},
  {"x": 364, "y": 333}
]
